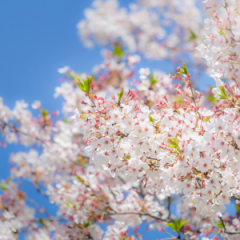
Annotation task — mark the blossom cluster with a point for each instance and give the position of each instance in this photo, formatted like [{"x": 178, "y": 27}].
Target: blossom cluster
[
  {"x": 220, "y": 46},
  {"x": 170, "y": 149},
  {"x": 135, "y": 142},
  {"x": 144, "y": 27}
]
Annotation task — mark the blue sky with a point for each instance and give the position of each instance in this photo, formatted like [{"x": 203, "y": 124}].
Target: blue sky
[{"x": 37, "y": 38}]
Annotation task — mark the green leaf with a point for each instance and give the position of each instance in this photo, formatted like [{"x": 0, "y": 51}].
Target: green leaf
[
  {"x": 150, "y": 118},
  {"x": 174, "y": 142},
  {"x": 42, "y": 221},
  {"x": 74, "y": 76},
  {"x": 183, "y": 223},
  {"x": 178, "y": 99},
  {"x": 152, "y": 79},
  {"x": 172, "y": 226},
  {"x": 65, "y": 120},
  {"x": 81, "y": 180},
  {"x": 177, "y": 225},
  {"x": 118, "y": 51},
  {"x": 211, "y": 99},
  {"x": 85, "y": 85},
  {"x": 67, "y": 204},
  {"x": 237, "y": 208},
  {"x": 184, "y": 70},
  {"x": 120, "y": 95},
  {"x": 207, "y": 118},
  {"x": 223, "y": 94},
  {"x": 44, "y": 112},
  {"x": 3, "y": 186},
  {"x": 83, "y": 116},
  {"x": 220, "y": 31},
  {"x": 128, "y": 156},
  {"x": 80, "y": 85},
  {"x": 192, "y": 36},
  {"x": 87, "y": 224},
  {"x": 220, "y": 225}
]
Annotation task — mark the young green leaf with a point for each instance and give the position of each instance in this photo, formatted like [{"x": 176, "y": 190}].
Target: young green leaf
[
  {"x": 192, "y": 36},
  {"x": 3, "y": 186},
  {"x": 120, "y": 95},
  {"x": 172, "y": 226},
  {"x": 237, "y": 208},
  {"x": 42, "y": 221},
  {"x": 220, "y": 31},
  {"x": 67, "y": 204},
  {"x": 183, "y": 223},
  {"x": 178, "y": 99},
  {"x": 85, "y": 85},
  {"x": 118, "y": 51},
  {"x": 177, "y": 225},
  {"x": 44, "y": 112},
  {"x": 222, "y": 94},
  {"x": 80, "y": 85},
  {"x": 150, "y": 118},
  {"x": 65, "y": 120},
  {"x": 87, "y": 224},
  {"x": 207, "y": 118},
  {"x": 219, "y": 224},
  {"x": 174, "y": 142},
  {"x": 83, "y": 116},
  {"x": 81, "y": 180},
  {"x": 184, "y": 70},
  {"x": 152, "y": 79},
  {"x": 74, "y": 76},
  {"x": 211, "y": 99}
]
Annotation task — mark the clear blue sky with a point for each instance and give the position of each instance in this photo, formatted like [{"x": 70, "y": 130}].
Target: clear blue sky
[{"x": 37, "y": 38}]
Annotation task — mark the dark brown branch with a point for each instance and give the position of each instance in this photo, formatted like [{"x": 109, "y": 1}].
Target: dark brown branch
[
  {"x": 168, "y": 207},
  {"x": 16, "y": 130},
  {"x": 194, "y": 101},
  {"x": 154, "y": 159},
  {"x": 225, "y": 230},
  {"x": 40, "y": 191}
]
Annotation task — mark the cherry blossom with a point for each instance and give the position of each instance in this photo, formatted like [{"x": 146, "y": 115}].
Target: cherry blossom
[{"x": 131, "y": 142}]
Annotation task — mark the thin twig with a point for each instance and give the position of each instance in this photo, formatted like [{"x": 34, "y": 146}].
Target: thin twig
[{"x": 169, "y": 207}]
